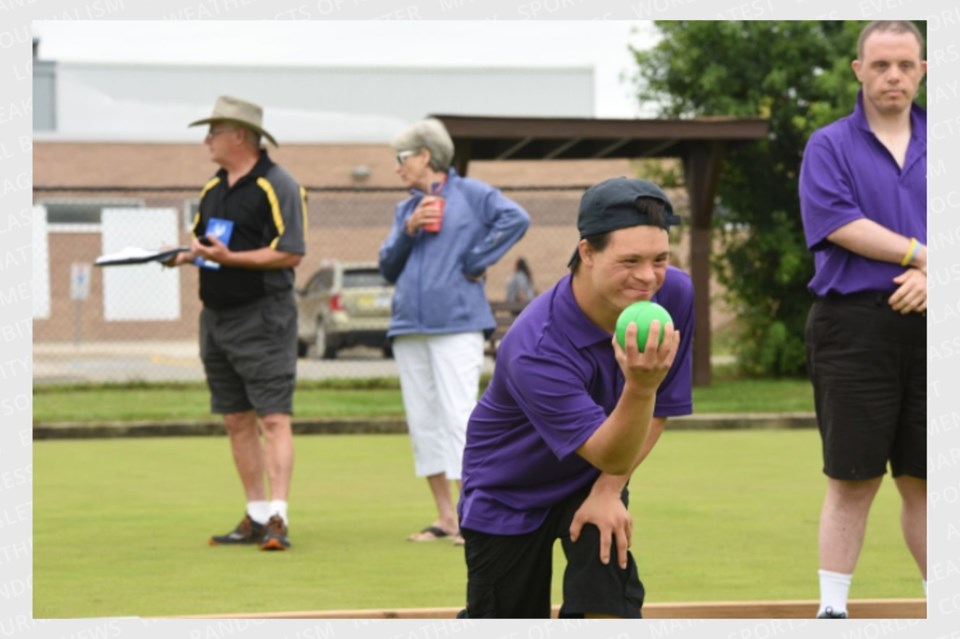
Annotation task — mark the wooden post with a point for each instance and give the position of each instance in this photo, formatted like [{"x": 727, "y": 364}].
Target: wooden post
[
  {"x": 461, "y": 156},
  {"x": 701, "y": 166}
]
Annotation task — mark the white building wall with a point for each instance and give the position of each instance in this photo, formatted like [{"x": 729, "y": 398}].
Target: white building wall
[{"x": 306, "y": 104}]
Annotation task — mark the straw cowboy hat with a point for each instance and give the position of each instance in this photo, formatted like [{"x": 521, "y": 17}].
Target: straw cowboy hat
[{"x": 239, "y": 112}]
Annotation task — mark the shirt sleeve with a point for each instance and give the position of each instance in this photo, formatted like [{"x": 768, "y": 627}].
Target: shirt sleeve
[
  {"x": 827, "y": 196},
  {"x": 675, "y": 394},
  {"x": 397, "y": 247},
  {"x": 288, "y": 210},
  {"x": 505, "y": 221}
]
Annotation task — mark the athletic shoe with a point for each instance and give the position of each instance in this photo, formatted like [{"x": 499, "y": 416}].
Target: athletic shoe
[
  {"x": 247, "y": 532},
  {"x": 828, "y": 613},
  {"x": 275, "y": 535}
]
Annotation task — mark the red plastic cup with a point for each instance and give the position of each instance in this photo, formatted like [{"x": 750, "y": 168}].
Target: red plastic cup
[{"x": 434, "y": 227}]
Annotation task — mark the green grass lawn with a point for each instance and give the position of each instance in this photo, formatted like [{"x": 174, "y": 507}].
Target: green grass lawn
[
  {"x": 121, "y": 527},
  {"x": 171, "y": 402}
]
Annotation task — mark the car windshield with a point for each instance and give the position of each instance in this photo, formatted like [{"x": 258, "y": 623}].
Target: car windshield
[
  {"x": 322, "y": 281},
  {"x": 364, "y": 278}
]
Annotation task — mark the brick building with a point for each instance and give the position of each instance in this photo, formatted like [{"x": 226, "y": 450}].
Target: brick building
[
  {"x": 348, "y": 225},
  {"x": 116, "y": 135}
]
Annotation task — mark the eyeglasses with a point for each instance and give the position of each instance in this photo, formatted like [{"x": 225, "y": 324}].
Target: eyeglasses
[
  {"x": 403, "y": 155},
  {"x": 212, "y": 133}
]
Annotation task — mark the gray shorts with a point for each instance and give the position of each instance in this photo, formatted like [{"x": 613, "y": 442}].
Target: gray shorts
[{"x": 250, "y": 355}]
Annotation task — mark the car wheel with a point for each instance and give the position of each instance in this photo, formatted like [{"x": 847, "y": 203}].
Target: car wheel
[{"x": 324, "y": 348}]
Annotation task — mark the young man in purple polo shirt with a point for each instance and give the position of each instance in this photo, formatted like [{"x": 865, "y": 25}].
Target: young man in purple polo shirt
[
  {"x": 863, "y": 197},
  {"x": 569, "y": 415}
]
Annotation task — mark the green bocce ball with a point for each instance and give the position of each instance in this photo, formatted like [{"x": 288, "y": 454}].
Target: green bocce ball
[{"x": 642, "y": 313}]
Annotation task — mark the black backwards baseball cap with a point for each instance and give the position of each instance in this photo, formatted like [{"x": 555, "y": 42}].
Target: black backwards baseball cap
[{"x": 612, "y": 205}]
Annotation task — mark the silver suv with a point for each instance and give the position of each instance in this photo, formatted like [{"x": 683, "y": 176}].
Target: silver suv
[{"x": 343, "y": 304}]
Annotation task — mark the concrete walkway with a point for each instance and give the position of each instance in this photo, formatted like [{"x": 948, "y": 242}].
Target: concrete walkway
[
  {"x": 162, "y": 361},
  {"x": 179, "y": 361}
]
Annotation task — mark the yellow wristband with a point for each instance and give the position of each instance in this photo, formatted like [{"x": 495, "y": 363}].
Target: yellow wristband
[{"x": 911, "y": 252}]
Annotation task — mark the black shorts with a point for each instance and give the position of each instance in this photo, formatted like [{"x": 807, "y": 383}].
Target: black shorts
[
  {"x": 249, "y": 354},
  {"x": 509, "y": 576},
  {"x": 868, "y": 365}
]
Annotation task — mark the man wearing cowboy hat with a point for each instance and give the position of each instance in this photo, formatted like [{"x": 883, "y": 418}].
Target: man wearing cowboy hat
[{"x": 248, "y": 237}]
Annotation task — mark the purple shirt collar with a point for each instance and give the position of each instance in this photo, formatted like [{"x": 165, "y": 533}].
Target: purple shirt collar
[
  {"x": 918, "y": 121},
  {"x": 581, "y": 331}
]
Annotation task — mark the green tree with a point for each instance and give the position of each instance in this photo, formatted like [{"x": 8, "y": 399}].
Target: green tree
[{"x": 798, "y": 75}]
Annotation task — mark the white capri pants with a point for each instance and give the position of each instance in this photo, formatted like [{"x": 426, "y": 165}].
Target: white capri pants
[{"x": 439, "y": 381}]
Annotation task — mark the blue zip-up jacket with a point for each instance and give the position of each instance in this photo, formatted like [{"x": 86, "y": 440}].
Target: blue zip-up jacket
[{"x": 432, "y": 292}]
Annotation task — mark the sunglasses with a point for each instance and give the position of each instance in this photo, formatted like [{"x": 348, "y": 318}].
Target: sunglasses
[
  {"x": 403, "y": 155},
  {"x": 212, "y": 133}
]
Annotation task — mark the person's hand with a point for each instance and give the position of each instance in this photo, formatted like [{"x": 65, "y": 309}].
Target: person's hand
[
  {"x": 177, "y": 259},
  {"x": 604, "y": 509},
  {"x": 427, "y": 212},
  {"x": 643, "y": 371},
  {"x": 911, "y": 295},
  {"x": 215, "y": 251}
]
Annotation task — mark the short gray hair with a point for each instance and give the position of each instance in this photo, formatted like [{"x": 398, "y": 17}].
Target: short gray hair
[
  {"x": 252, "y": 137},
  {"x": 888, "y": 26},
  {"x": 429, "y": 134}
]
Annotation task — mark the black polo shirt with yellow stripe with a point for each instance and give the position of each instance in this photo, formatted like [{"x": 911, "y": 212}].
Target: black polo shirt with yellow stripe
[{"x": 268, "y": 209}]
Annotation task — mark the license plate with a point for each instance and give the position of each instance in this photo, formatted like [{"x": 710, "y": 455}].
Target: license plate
[{"x": 373, "y": 302}]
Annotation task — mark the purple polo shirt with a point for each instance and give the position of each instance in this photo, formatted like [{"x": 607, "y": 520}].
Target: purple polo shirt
[
  {"x": 847, "y": 174},
  {"x": 555, "y": 382}
]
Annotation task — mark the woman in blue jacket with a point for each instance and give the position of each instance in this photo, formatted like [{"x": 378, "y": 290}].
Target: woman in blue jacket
[{"x": 444, "y": 237}]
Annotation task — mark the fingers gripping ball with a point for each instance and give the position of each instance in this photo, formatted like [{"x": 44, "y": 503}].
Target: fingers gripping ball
[{"x": 642, "y": 313}]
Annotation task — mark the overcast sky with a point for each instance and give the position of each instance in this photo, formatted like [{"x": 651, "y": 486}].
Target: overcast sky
[{"x": 600, "y": 44}]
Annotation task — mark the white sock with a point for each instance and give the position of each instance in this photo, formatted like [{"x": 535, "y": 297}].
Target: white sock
[
  {"x": 259, "y": 511},
  {"x": 924, "y": 587},
  {"x": 278, "y": 507},
  {"x": 834, "y": 587}
]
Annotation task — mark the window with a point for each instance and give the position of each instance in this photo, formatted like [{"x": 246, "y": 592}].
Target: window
[
  {"x": 82, "y": 213},
  {"x": 321, "y": 281},
  {"x": 190, "y": 210},
  {"x": 363, "y": 278}
]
